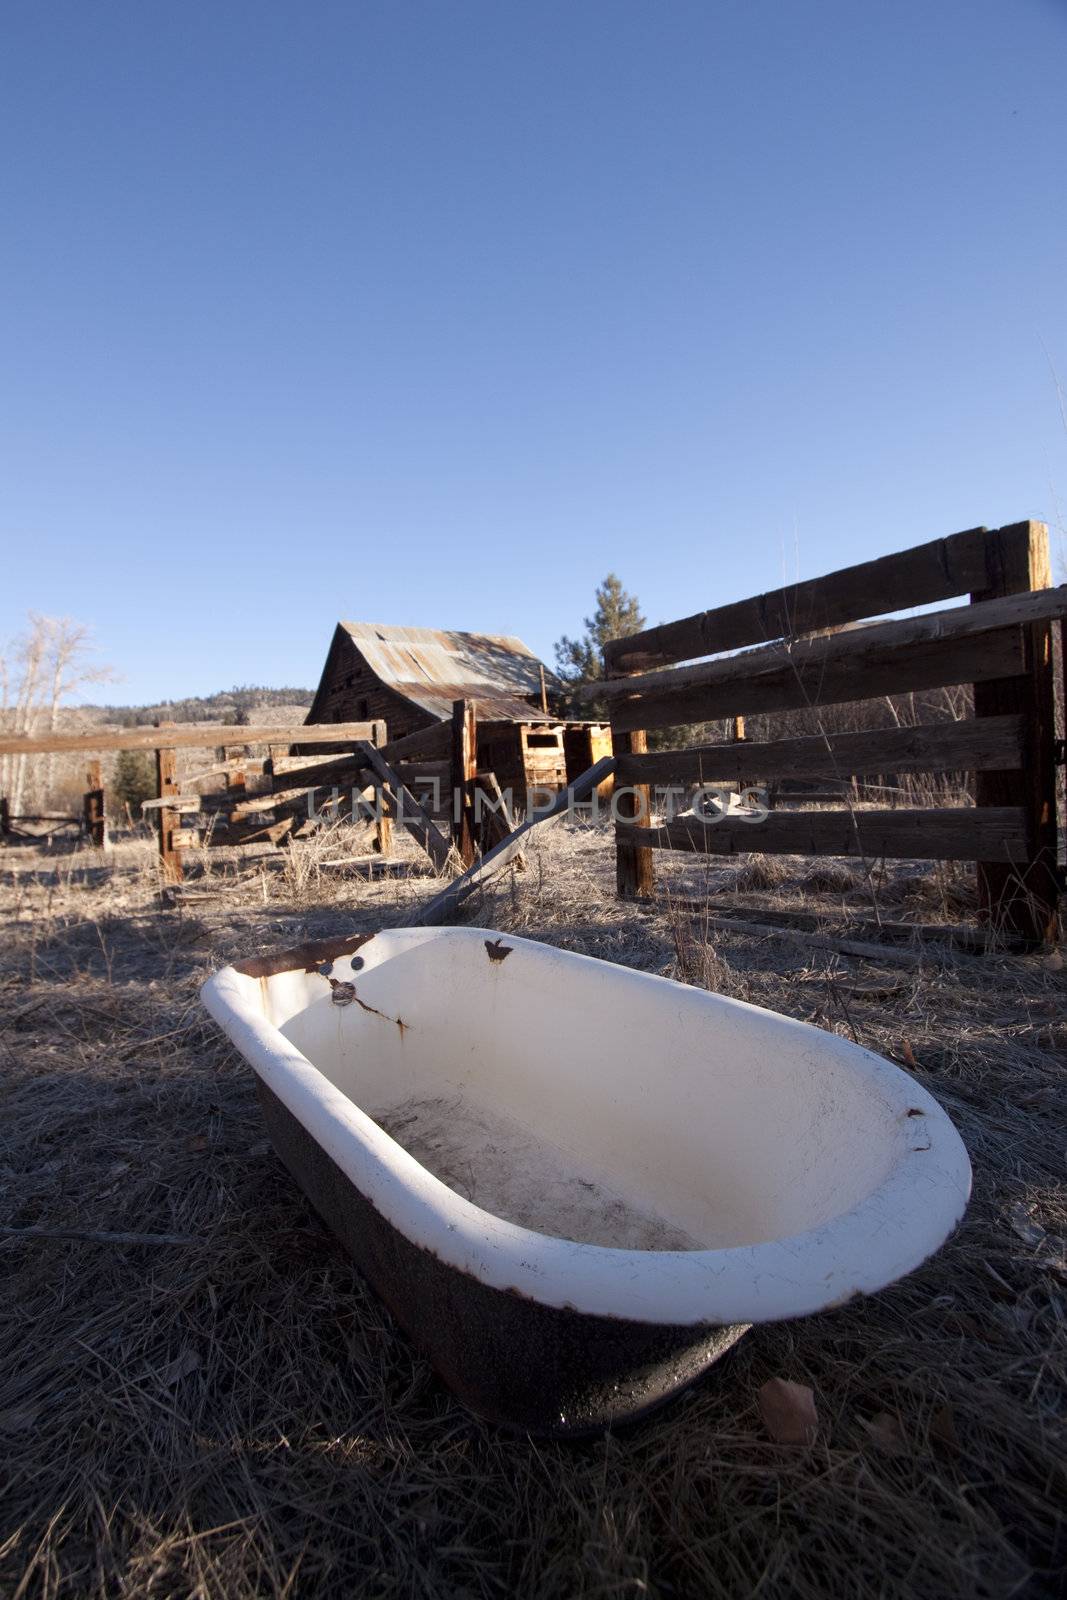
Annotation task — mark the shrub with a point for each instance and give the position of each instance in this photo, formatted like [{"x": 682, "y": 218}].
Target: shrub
[{"x": 135, "y": 779}]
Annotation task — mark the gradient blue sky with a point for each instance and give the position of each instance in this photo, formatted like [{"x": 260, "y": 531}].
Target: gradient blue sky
[{"x": 433, "y": 313}]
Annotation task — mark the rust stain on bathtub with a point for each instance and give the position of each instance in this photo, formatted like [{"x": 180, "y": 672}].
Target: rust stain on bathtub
[
  {"x": 302, "y": 957},
  {"x": 363, "y": 1004}
]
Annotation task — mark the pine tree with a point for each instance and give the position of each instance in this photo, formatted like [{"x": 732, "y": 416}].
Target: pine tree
[
  {"x": 617, "y": 616},
  {"x": 134, "y": 780}
]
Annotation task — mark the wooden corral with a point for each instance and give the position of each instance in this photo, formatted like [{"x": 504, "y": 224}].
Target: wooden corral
[{"x": 1001, "y": 643}]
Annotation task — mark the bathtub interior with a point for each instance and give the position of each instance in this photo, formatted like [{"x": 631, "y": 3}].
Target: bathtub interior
[{"x": 592, "y": 1103}]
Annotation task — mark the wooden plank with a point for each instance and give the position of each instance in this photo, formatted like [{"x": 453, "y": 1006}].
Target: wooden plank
[
  {"x": 993, "y": 744},
  {"x": 432, "y": 743},
  {"x": 343, "y": 771},
  {"x": 186, "y": 804},
  {"x": 943, "y": 569},
  {"x": 635, "y": 874},
  {"x": 442, "y": 906},
  {"x": 932, "y": 665},
  {"x": 1023, "y": 897},
  {"x": 222, "y": 768},
  {"x": 189, "y": 736},
  {"x": 168, "y": 822},
  {"x": 296, "y": 802},
  {"x": 945, "y": 834},
  {"x": 464, "y": 770},
  {"x": 424, "y": 772},
  {"x": 856, "y": 648},
  {"x": 406, "y": 808}
]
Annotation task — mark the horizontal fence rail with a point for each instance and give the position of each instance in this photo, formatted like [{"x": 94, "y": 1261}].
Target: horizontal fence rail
[
  {"x": 990, "y": 744},
  {"x": 867, "y": 675},
  {"x": 944, "y": 569},
  {"x": 187, "y": 736},
  {"x": 941, "y": 834}
]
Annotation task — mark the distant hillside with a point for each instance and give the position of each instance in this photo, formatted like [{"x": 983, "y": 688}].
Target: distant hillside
[{"x": 229, "y": 705}]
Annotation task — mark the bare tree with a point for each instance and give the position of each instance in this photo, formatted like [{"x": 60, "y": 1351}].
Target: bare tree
[{"x": 50, "y": 662}]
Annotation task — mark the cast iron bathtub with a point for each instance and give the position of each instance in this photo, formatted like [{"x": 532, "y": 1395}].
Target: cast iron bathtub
[{"x": 576, "y": 1185}]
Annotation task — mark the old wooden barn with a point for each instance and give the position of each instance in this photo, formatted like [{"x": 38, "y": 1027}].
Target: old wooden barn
[{"x": 411, "y": 678}]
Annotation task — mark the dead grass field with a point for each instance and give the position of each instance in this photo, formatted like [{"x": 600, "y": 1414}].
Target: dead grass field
[{"x": 235, "y": 1416}]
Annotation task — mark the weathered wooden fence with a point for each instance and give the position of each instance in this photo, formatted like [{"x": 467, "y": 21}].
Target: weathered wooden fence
[
  {"x": 1001, "y": 643},
  {"x": 428, "y": 780},
  {"x": 165, "y": 740}
]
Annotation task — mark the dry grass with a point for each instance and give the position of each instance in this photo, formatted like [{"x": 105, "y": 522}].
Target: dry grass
[{"x": 237, "y": 1417}]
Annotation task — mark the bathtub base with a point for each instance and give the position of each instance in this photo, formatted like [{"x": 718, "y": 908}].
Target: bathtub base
[{"x": 510, "y": 1359}]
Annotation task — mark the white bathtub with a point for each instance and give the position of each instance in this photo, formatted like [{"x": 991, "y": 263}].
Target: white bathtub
[{"x": 607, "y": 1175}]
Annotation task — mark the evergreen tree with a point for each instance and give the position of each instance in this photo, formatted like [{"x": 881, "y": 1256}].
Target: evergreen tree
[
  {"x": 617, "y": 616},
  {"x": 135, "y": 779}
]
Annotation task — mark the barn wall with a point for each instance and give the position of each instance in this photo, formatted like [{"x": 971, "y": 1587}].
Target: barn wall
[{"x": 350, "y": 692}]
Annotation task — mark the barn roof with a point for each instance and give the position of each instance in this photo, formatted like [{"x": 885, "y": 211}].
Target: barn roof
[{"x": 433, "y": 667}]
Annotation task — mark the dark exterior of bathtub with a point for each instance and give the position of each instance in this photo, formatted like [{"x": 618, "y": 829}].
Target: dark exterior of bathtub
[{"x": 511, "y": 1359}]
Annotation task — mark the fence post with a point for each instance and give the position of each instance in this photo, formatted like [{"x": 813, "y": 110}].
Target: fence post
[
  {"x": 1020, "y": 897},
  {"x": 464, "y": 774},
  {"x": 635, "y": 877},
  {"x": 5, "y": 817},
  {"x": 236, "y": 785},
  {"x": 169, "y": 820},
  {"x": 383, "y": 821},
  {"x": 93, "y": 807}
]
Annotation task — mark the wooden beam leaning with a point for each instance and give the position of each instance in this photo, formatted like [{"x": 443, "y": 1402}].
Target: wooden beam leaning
[
  {"x": 190, "y": 736},
  {"x": 942, "y": 569},
  {"x": 635, "y": 874},
  {"x": 991, "y": 744},
  {"x": 878, "y": 671},
  {"x": 168, "y": 821},
  {"x": 406, "y": 808},
  {"x": 944, "y": 834},
  {"x": 1021, "y": 897}
]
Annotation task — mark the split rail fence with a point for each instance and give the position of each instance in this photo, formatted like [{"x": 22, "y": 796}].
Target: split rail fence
[{"x": 1001, "y": 643}]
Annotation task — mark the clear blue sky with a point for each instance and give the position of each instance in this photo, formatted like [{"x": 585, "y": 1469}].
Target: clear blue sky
[{"x": 433, "y": 313}]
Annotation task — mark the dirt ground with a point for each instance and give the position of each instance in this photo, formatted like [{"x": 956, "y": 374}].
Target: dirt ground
[{"x": 227, "y": 1411}]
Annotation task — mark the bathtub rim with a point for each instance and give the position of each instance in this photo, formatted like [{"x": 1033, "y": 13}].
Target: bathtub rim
[{"x": 886, "y": 1235}]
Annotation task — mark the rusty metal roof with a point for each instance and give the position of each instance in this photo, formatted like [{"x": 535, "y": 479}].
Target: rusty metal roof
[{"x": 433, "y": 667}]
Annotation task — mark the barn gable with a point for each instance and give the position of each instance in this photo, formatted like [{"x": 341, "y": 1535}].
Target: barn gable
[{"x": 411, "y": 676}]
